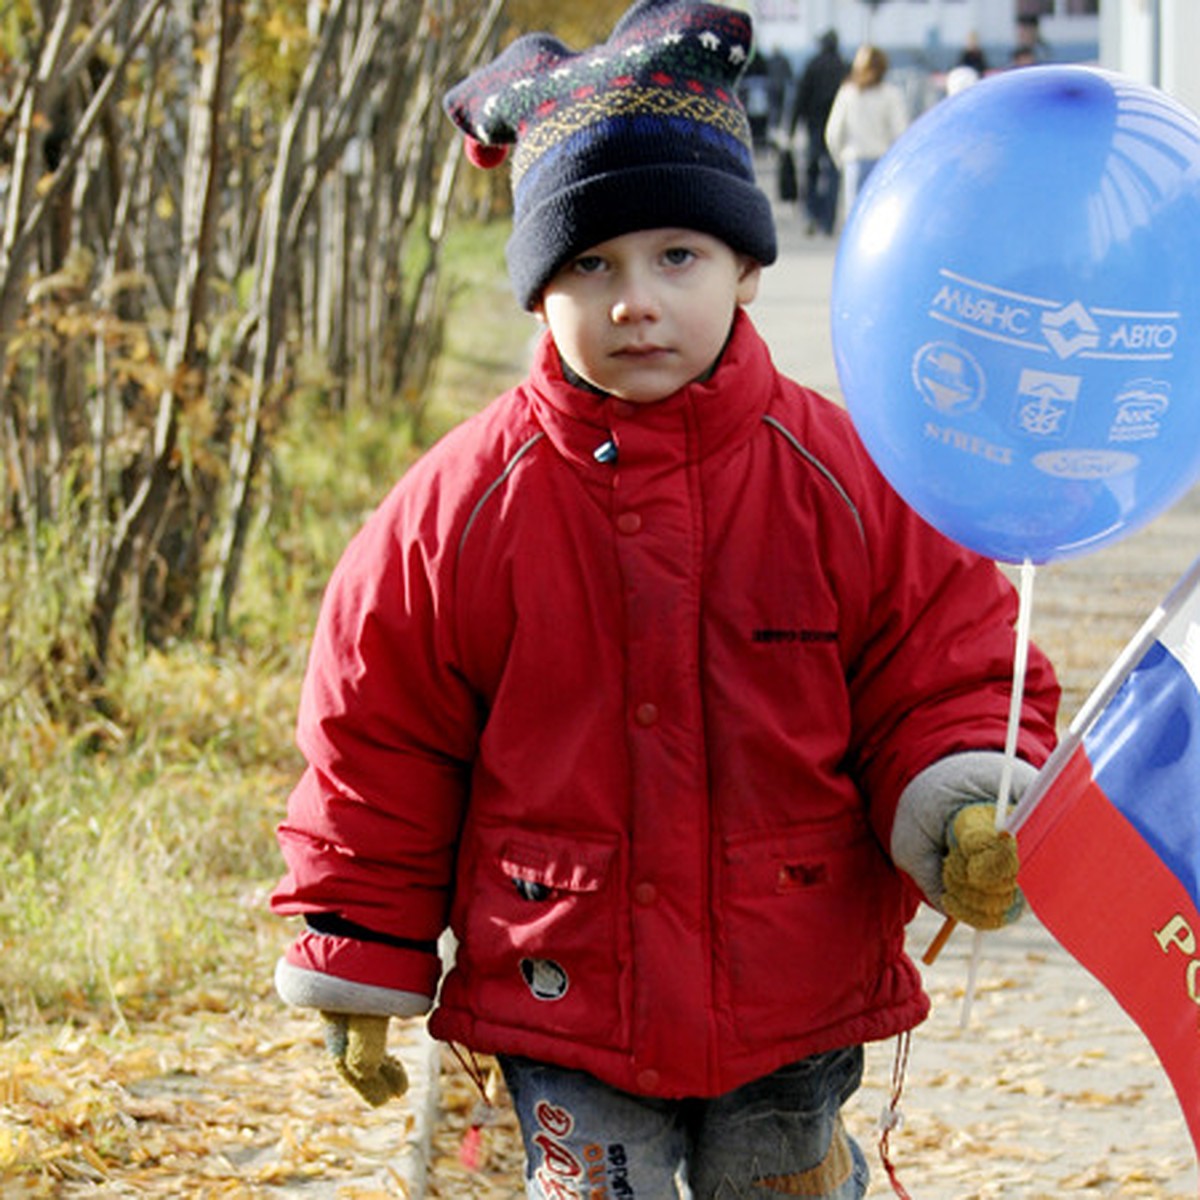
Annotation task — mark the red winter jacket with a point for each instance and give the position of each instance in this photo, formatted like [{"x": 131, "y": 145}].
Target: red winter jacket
[{"x": 637, "y": 729}]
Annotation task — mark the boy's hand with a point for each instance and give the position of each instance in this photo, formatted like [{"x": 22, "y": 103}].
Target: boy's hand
[
  {"x": 944, "y": 837},
  {"x": 979, "y": 872},
  {"x": 358, "y": 1045}
]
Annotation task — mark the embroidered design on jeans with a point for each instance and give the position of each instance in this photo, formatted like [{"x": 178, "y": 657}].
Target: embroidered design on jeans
[
  {"x": 829, "y": 1174},
  {"x": 601, "y": 1174}
]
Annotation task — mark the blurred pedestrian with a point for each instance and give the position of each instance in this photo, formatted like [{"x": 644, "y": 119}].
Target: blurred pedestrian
[
  {"x": 869, "y": 113},
  {"x": 1031, "y": 48},
  {"x": 779, "y": 86},
  {"x": 819, "y": 83},
  {"x": 755, "y": 94},
  {"x": 959, "y": 78},
  {"x": 973, "y": 55}
]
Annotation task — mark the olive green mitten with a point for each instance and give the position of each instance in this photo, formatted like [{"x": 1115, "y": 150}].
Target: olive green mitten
[
  {"x": 358, "y": 1045},
  {"x": 979, "y": 873}
]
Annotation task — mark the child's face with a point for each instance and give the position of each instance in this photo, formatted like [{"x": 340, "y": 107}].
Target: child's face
[{"x": 646, "y": 313}]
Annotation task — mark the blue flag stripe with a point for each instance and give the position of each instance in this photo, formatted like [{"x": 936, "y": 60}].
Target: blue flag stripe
[{"x": 1145, "y": 752}]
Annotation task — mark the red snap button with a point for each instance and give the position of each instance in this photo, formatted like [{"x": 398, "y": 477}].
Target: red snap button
[
  {"x": 629, "y": 522},
  {"x": 646, "y": 714},
  {"x": 645, "y": 894},
  {"x": 647, "y": 1080}
]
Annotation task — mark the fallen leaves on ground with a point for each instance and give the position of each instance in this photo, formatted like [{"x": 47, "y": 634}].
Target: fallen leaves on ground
[
  {"x": 222, "y": 1096},
  {"x": 227, "y": 1094}
]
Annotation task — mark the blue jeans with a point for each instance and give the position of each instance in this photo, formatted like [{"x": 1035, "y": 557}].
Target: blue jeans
[
  {"x": 854, "y": 177},
  {"x": 779, "y": 1135},
  {"x": 822, "y": 181}
]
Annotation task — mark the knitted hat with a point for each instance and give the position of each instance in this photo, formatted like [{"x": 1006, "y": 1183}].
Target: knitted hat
[{"x": 642, "y": 132}]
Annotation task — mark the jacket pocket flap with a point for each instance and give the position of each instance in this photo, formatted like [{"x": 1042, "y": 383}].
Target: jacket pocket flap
[
  {"x": 798, "y": 860},
  {"x": 577, "y": 866}
]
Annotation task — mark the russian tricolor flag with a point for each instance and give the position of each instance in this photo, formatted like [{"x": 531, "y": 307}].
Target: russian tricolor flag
[{"x": 1109, "y": 837}]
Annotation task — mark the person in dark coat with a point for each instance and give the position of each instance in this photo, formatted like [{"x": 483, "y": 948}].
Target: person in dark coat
[
  {"x": 819, "y": 83},
  {"x": 973, "y": 55}
]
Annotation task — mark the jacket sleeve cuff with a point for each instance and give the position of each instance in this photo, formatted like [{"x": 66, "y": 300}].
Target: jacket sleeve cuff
[
  {"x": 346, "y": 975},
  {"x": 931, "y": 800}
]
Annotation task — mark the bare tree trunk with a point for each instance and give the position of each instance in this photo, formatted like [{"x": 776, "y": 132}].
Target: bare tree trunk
[
  {"x": 17, "y": 239},
  {"x": 289, "y": 199},
  {"x": 418, "y": 334},
  {"x": 109, "y": 299},
  {"x": 184, "y": 364}
]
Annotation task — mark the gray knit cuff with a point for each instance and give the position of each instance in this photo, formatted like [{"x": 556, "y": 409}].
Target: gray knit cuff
[{"x": 302, "y": 988}]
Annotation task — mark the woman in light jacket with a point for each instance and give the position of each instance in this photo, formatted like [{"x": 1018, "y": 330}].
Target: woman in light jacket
[{"x": 869, "y": 113}]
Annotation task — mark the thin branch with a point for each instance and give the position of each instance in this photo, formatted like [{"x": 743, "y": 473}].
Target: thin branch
[{"x": 83, "y": 131}]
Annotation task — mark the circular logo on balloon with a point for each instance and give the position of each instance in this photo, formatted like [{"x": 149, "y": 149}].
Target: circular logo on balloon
[
  {"x": 1012, "y": 313},
  {"x": 1141, "y": 407},
  {"x": 948, "y": 377}
]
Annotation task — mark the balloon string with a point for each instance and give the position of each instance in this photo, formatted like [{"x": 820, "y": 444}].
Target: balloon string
[
  {"x": 1020, "y": 663},
  {"x": 1016, "y": 702}
]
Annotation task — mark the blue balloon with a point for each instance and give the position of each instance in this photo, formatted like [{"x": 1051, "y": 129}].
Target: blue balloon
[{"x": 1016, "y": 311}]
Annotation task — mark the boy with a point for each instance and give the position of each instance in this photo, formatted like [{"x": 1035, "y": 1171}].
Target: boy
[{"x": 645, "y": 683}]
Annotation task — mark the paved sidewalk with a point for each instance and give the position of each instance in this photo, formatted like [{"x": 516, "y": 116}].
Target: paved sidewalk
[
  {"x": 1049, "y": 1089},
  {"x": 792, "y": 306}
]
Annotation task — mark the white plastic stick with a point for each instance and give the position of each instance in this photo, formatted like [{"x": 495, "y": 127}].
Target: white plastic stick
[{"x": 1016, "y": 702}]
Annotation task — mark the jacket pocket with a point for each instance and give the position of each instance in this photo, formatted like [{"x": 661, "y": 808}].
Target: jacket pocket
[
  {"x": 539, "y": 946},
  {"x": 808, "y": 928}
]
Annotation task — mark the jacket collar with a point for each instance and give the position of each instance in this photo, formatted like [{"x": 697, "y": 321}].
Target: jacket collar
[{"x": 701, "y": 420}]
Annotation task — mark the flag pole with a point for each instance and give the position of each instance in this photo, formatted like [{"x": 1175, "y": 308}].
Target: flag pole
[
  {"x": 1108, "y": 844},
  {"x": 1099, "y": 699},
  {"x": 1103, "y": 693}
]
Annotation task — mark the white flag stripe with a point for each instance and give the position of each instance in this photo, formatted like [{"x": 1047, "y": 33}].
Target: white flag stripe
[{"x": 1181, "y": 636}]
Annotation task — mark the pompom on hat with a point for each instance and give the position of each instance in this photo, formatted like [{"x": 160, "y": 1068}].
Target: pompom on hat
[{"x": 644, "y": 131}]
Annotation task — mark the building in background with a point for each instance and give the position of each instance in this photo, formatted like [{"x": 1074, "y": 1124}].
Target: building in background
[
  {"x": 1154, "y": 41},
  {"x": 925, "y": 39},
  {"x": 930, "y": 35}
]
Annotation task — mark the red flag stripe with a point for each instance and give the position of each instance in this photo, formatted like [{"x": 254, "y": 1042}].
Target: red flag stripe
[{"x": 1115, "y": 906}]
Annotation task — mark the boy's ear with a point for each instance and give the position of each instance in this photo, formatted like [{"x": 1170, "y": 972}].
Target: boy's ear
[
  {"x": 539, "y": 310},
  {"x": 748, "y": 277}
]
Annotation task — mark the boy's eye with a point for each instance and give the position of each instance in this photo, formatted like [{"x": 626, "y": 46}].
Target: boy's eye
[
  {"x": 677, "y": 256},
  {"x": 588, "y": 264}
]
